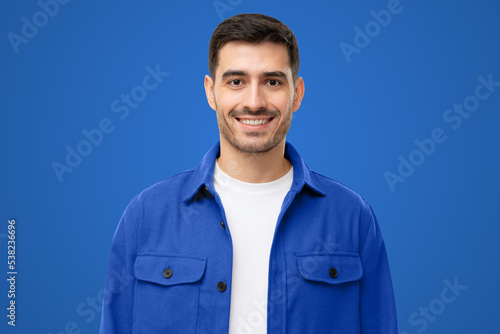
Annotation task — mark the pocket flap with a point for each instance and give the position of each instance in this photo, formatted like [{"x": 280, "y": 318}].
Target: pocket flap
[
  {"x": 168, "y": 269},
  {"x": 331, "y": 268}
]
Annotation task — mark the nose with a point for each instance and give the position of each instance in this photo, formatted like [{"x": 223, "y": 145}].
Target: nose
[{"x": 255, "y": 98}]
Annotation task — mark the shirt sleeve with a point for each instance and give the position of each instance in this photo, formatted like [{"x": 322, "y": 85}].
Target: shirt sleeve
[
  {"x": 377, "y": 303},
  {"x": 117, "y": 307}
]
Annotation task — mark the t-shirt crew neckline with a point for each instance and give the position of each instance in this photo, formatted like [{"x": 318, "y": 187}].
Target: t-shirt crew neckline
[{"x": 231, "y": 182}]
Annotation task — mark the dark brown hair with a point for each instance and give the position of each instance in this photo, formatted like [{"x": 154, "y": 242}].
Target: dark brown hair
[{"x": 253, "y": 28}]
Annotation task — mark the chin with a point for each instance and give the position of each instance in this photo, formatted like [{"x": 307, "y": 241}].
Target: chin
[{"x": 255, "y": 148}]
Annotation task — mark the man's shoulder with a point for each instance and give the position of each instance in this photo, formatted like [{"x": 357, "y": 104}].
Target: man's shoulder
[
  {"x": 337, "y": 191},
  {"x": 170, "y": 188},
  {"x": 343, "y": 200}
]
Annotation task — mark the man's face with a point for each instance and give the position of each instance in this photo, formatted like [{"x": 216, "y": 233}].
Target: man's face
[{"x": 254, "y": 95}]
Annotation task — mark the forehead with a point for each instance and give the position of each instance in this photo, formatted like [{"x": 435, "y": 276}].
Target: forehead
[{"x": 253, "y": 57}]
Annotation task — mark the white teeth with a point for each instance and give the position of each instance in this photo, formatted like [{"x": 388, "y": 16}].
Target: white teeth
[{"x": 254, "y": 121}]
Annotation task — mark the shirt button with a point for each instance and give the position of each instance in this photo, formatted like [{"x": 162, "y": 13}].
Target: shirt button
[
  {"x": 221, "y": 286},
  {"x": 167, "y": 273},
  {"x": 222, "y": 224},
  {"x": 333, "y": 273}
]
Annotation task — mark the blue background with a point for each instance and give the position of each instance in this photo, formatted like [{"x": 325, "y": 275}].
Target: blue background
[{"x": 356, "y": 119}]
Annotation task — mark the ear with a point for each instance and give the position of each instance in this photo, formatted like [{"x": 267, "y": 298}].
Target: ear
[
  {"x": 209, "y": 91},
  {"x": 299, "y": 93}
]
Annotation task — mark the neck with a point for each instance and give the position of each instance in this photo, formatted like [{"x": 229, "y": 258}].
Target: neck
[{"x": 253, "y": 167}]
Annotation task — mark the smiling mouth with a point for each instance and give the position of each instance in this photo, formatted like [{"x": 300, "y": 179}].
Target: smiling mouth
[{"x": 254, "y": 122}]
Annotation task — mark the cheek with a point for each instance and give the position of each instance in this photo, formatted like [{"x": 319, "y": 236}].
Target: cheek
[
  {"x": 283, "y": 103},
  {"x": 227, "y": 101}
]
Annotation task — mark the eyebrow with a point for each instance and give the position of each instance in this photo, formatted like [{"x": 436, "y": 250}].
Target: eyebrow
[{"x": 230, "y": 73}]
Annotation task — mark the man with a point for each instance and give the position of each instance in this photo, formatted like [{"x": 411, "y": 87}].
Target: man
[{"x": 251, "y": 240}]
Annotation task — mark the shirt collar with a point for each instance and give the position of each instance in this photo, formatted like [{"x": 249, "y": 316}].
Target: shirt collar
[{"x": 203, "y": 174}]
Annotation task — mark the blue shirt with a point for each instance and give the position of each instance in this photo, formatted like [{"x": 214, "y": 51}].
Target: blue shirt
[{"x": 170, "y": 263}]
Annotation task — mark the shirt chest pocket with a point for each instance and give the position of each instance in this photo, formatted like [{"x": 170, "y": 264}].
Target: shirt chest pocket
[
  {"x": 167, "y": 292},
  {"x": 329, "y": 292}
]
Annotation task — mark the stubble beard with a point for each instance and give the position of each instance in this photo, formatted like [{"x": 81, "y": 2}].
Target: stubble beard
[{"x": 247, "y": 145}]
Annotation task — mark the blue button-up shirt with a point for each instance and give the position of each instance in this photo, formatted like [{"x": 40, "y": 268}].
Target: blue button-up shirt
[{"x": 328, "y": 267}]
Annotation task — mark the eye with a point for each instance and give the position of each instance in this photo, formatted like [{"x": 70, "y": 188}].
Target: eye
[
  {"x": 274, "y": 82},
  {"x": 235, "y": 82}
]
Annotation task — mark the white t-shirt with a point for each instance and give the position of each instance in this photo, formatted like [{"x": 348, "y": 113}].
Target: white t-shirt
[{"x": 252, "y": 211}]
